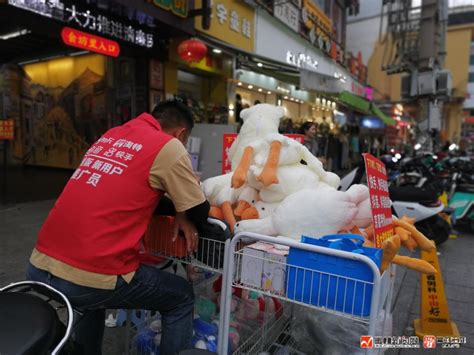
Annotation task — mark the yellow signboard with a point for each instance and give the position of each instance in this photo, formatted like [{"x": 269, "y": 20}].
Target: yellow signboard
[
  {"x": 434, "y": 316},
  {"x": 232, "y": 21},
  {"x": 314, "y": 17}
]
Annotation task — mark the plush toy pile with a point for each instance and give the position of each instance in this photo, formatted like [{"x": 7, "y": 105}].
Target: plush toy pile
[{"x": 278, "y": 188}]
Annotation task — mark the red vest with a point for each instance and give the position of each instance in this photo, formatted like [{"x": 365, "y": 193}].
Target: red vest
[{"x": 98, "y": 221}]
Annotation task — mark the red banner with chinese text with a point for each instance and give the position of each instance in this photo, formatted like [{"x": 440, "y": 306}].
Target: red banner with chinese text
[
  {"x": 7, "y": 130},
  {"x": 229, "y": 138},
  {"x": 90, "y": 42},
  {"x": 379, "y": 199}
]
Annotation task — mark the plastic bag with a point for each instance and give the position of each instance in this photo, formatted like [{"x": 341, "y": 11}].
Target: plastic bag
[{"x": 317, "y": 332}]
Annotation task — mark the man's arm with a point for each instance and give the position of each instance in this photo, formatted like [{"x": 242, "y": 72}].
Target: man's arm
[
  {"x": 198, "y": 214},
  {"x": 172, "y": 172}
]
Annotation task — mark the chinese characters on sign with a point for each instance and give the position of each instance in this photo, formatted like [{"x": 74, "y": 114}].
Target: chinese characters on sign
[
  {"x": 288, "y": 14},
  {"x": 90, "y": 42},
  {"x": 106, "y": 157},
  {"x": 379, "y": 199},
  {"x": 229, "y": 138},
  {"x": 231, "y": 18},
  {"x": 7, "y": 130},
  {"x": 87, "y": 20}
]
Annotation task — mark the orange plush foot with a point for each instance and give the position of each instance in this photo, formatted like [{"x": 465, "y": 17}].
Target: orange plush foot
[
  {"x": 415, "y": 264},
  {"x": 240, "y": 174},
  {"x": 269, "y": 172},
  {"x": 216, "y": 212},
  {"x": 390, "y": 249},
  {"x": 228, "y": 215}
]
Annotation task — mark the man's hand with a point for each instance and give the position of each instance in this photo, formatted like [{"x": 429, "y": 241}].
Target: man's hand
[{"x": 181, "y": 223}]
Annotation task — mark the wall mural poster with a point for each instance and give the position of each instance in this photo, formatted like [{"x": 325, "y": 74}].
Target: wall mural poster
[{"x": 62, "y": 110}]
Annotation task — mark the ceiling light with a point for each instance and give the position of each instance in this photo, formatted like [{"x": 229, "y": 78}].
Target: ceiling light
[
  {"x": 259, "y": 65},
  {"x": 260, "y": 90},
  {"x": 250, "y": 86},
  {"x": 286, "y": 97},
  {"x": 239, "y": 83},
  {"x": 216, "y": 50},
  {"x": 14, "y": 34},
  {"x": 269, "y": 92},
  {"x": 292, "y": 99}
]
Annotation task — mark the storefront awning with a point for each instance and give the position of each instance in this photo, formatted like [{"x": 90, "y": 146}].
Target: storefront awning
[
  {"x": 365, "y": 107},
  {"x": 385, "y": 119}
]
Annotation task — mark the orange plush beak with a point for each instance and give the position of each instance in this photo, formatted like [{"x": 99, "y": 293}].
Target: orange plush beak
[
  {"x": 250, "y": 213},
  {"x": 241, "y": 207}
]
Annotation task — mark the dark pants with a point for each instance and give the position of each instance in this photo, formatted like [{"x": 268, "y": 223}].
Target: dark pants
[{"x": 150, "y": 289}]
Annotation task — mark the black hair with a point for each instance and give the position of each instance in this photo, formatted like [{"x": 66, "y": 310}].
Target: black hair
[
  {"x": 305, "y": 126},
  {"x": 172, "y": 114}
]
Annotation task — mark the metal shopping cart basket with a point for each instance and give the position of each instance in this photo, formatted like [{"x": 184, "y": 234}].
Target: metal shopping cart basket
[{"x": 362, "y": 298}]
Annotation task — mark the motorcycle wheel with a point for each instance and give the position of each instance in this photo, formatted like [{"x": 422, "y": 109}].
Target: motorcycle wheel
[{"x": 435, "y": 228}]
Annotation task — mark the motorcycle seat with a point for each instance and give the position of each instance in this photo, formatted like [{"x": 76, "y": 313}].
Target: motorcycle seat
[
  {"x": 465, "y": 188},
  {"x": 413, "y": 194},
  {"x": 29, "y": 324}
]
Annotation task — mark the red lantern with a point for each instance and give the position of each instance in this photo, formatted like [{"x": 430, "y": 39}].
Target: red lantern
[{"x": 192, "y": 50}]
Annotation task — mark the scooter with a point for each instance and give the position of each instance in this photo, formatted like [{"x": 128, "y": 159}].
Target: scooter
[
  {"x": 414, "y": 202},
  {"x": 31, "y": 323},
  {"x": 461, "y": 196}
]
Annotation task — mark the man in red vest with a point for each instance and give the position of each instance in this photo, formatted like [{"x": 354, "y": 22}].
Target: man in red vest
[{"x": 88, "y": 247}]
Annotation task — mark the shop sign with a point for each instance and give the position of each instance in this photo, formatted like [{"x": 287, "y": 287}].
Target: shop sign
[
  {"x": 357, "y": 89},
  {"x": 369, "y": 93},
  {"x": 315, "y": 19},
  {"x": 7, "y": 129},
  {"x": 177, "y": 7},
  {"x": 229, "y": 138},
  {"x": 87, "y": 19},
  {"x": 232, "y": 22},
  {"x": 379, "y": 199},
  {"x": 89, "y": 42},
  {"x": 288, "y": 13},
  {"x": 301, "y": 60}
]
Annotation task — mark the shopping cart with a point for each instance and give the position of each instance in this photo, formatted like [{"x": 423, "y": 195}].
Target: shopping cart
[
  {"x": 362, "y": 299},
  {"x": 211, "y": 256}
]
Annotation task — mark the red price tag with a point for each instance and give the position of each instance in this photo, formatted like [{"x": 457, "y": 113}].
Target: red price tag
[
  {"x": 229, "y": 138},
  {"x": 379, "y": 199}
]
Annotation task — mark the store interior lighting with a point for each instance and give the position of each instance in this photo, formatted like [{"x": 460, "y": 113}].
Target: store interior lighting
[
  {"x": 260, "y": 65},
  {"x": 250, "y": 86},
  {"x": 217, "y": 51},
  {"x": 260, "y": 90},
  {"x": 269, "y": 92},
  {"x": 239, "y": 83},
  {"x": 14, "y": 34},
  {"x": 286, "y": 97}
]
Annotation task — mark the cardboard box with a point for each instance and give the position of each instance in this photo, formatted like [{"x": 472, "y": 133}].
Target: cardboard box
[
  {"x": 264, "y": 266},
  {"x": 252, "y": 264},
  {"x": 274, "y": 271}
]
